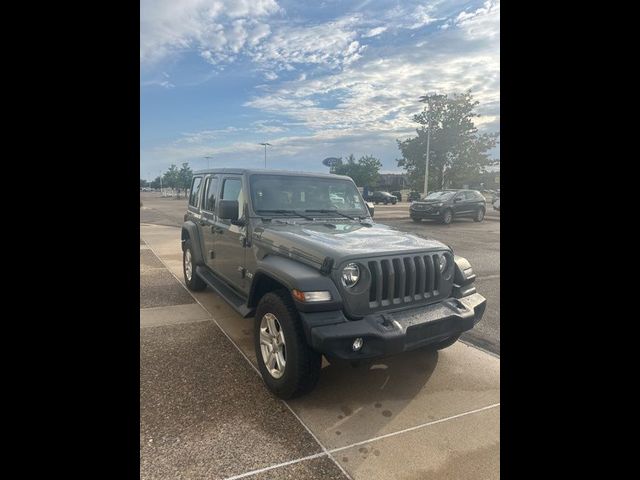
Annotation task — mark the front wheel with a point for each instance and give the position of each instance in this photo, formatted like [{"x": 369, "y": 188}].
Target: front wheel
[
  {"x": 417, "y": 220},
  {"x": 289, "y": 367},
  {"x": 447, "y": 217},
  {"x": 479, "y": 216}
]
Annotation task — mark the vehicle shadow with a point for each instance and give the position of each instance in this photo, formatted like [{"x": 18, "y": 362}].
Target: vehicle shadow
[{"x": 347, "y": 396}]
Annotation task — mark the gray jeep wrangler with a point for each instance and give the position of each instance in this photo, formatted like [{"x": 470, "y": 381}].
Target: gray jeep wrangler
[{"x": 300, "y": 253}]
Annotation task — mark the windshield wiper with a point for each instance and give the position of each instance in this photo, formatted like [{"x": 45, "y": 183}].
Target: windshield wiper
[
  {"x": 290, "y": 212},
  {"x": 327, "y": 210}
]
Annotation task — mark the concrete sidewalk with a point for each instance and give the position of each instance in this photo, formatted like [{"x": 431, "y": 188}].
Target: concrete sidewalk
[{"x": 206, "y": 413}]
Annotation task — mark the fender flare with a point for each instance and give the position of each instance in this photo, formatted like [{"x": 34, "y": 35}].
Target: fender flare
[
  {"x": 190, "y": 231},
  {"x": 292, "y": 274}
]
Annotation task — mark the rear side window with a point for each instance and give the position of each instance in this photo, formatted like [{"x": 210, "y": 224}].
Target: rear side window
[
  {"x": 210, "y": 194},
  {"x": 195, "y": 191}
]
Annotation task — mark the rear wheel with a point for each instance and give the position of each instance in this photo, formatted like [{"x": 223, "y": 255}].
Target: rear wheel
[
  {"x": 479, "y": 216},
  {"x": 289, "y": 367},
  {"x": 417, "y": 220},
  {"x": 447, "y": 217},
  {"x": 193, "y": 281}
]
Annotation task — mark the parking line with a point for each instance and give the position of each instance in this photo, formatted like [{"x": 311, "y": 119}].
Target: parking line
[
  {"x": 324, "y": 449},
  {"x": 364, "y": 442}
]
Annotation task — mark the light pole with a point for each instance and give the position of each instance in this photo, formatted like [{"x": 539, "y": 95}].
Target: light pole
[
  {"x": 265, "y": 152},
  {"x": 426, "y": 167},
  {"x": 160, "y": 182},
  {"x": 208, "y": 157}
]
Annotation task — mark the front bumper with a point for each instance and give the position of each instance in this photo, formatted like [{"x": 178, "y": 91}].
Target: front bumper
[
  {"x": 388, "y": 333},
  {"x": 433, "y": 213}
]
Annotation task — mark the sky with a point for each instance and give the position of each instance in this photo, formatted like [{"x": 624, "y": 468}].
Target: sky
[{"x": 315, "y": 79}]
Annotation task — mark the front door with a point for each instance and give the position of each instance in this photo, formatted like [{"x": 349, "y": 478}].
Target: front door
[
  {"x": 229, "y": 260},
  {"x": 458, "y": 203}
]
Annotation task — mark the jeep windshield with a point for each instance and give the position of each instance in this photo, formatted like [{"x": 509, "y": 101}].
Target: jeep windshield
[{"x": 294, "y": 195}]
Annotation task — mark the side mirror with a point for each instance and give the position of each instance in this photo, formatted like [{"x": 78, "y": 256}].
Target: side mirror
[
  {"x": 228, "y": 210},
  {"x": 371, "y": 208}
]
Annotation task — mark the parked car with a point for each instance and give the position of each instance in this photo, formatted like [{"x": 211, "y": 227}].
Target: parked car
[
  {"x": 398, "y": 195},
  {"x": 413, "y": 196},
  {"x": 382, "y": 197},
  {"x": 445, "y": 205},
  {"x": 320, "y": 279}
]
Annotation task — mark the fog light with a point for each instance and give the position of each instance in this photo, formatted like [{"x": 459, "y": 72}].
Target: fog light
[{"x": 357, "y": 344}]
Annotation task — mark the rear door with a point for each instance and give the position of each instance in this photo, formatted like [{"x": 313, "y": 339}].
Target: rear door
[
  {"x": 193, "y": 206},
  {"x": 229, "y": 261},
  {"x": 208, "y": 218}
]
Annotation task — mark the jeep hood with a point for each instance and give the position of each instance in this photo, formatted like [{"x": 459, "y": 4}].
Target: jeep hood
[{"x": 315, "y": 241}]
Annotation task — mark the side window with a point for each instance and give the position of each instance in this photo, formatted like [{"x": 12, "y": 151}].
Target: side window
[
  {"x": 195, "y": 191},
  {"x": 210, "y": 194},
  {"x": 232, "y": 190}
]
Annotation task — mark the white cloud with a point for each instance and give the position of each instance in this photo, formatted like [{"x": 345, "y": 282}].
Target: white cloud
[
  {"x": 374, "y": 32},
  {"x": 211, "y": 27},
  {"x": 482, "y": 22},
  {"x": 330, "y": 44},
  {"x": 421, "y": 16}
]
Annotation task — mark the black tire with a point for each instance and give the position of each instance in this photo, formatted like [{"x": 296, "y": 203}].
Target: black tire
[
  {"x": 302, "y": 364},
  {"x": 417, "y": 220},
  {"x": 479, "y": 216},
  {"x": 447, "y": 217},
  {"x": 445, "y": 343},
  {"x": 386, "y": 202},
  {"x": 394, "y": 202},
  {"x": 195, "y": 283}
]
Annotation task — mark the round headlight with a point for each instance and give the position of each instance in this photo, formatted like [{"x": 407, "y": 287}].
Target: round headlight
[
  {"x": 350, "y": 275},
  {"x": 443, "y": 263}
]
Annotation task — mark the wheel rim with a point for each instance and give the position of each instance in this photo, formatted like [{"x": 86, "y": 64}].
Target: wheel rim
[
  {"x": 272, "y": 345},
  {"x": 447, "y": 217},
  {"x": 480, "y": 214},
  {"x": 188, "y": 268}
]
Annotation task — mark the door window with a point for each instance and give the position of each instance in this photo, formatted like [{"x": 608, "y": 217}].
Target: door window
[
  {"x": 195, "y": 191},
  {"x": 210, "y": 194},
  {"x": 232, "y": 190}
]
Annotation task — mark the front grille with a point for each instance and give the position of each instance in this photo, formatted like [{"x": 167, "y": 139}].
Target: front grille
[{"x": 406, "y": 279}]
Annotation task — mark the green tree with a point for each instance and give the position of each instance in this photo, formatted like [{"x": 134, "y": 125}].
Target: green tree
[
  {"x": 170, "y": 179},
  {"x": 155, "y": 183},
  {"x": 143, "y": 183},
  {"x": 185, "y": 175},
  {"x": 457, "y": 152},
  {"x": 364, "y": 172}
]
